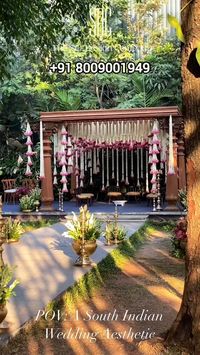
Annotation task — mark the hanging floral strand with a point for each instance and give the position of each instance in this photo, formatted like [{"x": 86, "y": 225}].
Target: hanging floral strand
[
  {"x": 113, "y": 164},
  {"x": 107, "y": 167},
  {"x": 76, "y": 168},
  {"x": 69, "y": 156},
  {"x": 55, "y": 147},
  {"x": 122, "y": 180},
  {"x": 138, "y": 167},
  {"x": 103, "y": 180},
  {"x": 85, "y": 162},
  {"x": 41, "y": 152},
  {"x": 171, "y": 170},
  {"x": 141, "y": 162},
  {"x": 29, "y": 152},
  {"x": 63, "y": 161},
  {"x": 126, "y": 180},
  {"x": 95, "y": 161},
  {"x": 117, "y": 166},
  {"x": 132, "y": 172},
  {"x": 147, "y": 171},
  {"x": 155, "y": 160},
  {"x": 98, "y": 161},
  {"x": 150, "y": 153},
  {"x": 81, "y": 167}
]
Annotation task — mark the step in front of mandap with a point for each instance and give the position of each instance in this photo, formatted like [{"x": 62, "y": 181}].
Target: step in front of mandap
[{"x": 124, "y": 217}]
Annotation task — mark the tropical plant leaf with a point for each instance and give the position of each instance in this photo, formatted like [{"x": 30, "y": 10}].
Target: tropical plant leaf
[
  {"x": 175, "y": 24},
  {"x": 198, "y": 55},
  {"x": 67, "y": 101}
]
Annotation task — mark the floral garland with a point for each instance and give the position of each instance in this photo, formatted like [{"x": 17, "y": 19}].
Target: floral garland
[
  {"x": 154, "y": 160},
  {"x": 28, "y": 133},
  {"x": 63, "y": 161}
]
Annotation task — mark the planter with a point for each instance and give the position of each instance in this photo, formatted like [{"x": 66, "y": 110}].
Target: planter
[
  {"x": 37, "y": 205},
  {"x": 9, "y": 241},
  {"x": 89, "y": 248},
  {"x": 3, "y": 312},
  {"x": 27, "y": 211},
  {"x": 113, "y": 242}
]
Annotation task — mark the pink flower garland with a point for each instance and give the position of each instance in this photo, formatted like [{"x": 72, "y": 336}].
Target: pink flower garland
[
  {"x": 153, "y": 151},
  {"x": 63, "y": 161},
  {"x": 29, "y": 152}
]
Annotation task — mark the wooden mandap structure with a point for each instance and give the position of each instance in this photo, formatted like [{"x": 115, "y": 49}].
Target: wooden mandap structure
[{"x": 112, "y": 149}]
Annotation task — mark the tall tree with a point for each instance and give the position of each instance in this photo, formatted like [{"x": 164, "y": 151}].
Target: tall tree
[
  {"x": 37, "y": 26},
  {"x": 186, "y": 328}
]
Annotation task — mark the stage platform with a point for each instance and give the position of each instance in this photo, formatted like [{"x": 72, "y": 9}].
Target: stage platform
[{"x": 103, "y": 210}]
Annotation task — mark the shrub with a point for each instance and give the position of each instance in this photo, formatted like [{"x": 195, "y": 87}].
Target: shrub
[
  {"x": 6, "y": 286},
  {"x": 13, "y": 229},
  {"x": 27, "y": 203},
  {"x": 183, "y": 198},
  {"x": 179, "y": 239},
  {"x": 36, "y": 194}
]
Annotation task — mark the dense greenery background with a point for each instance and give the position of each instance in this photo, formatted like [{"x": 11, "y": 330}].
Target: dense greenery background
[{"x": 60, "y": 34}]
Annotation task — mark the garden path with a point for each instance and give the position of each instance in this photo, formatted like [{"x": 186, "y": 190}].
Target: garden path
[
  {"x": 152, "y": 280},
  {"x": 44, "y": 260}
]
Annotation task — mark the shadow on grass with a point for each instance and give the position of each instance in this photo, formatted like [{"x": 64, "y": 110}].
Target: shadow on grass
[{"x": 103, "y": 289}]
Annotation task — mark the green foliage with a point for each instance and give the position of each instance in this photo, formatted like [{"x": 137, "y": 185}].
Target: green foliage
[
  {"x": 31, "y": 89},
  {"x": 27, "y": 203},
  {"x": 175, "y": 24},
  {"x": 36, "y": 28},
  {"x": 84, "y": 223},
  {"x": 35, "y": 194},
  {"x": 31, "y": 225},
  {"x": 6, "y": 286},
  {"x": 145, "y": 30},
  {"x": 198, "y": 55},
  {"x": 182, "y": 194},
  {"x": 144, "y": 94},
  {"x": 162, "y": 86},
  {"x": 162, "y": 225},
  {"x": 66, "y": 101},
  {"x": 111, "y": 230},
  {"x": 176, "y": 250},
  {"x": 13, "y": 229}
]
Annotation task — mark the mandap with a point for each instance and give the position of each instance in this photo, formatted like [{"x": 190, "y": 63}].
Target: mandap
[{"x": 112, "y": 150}]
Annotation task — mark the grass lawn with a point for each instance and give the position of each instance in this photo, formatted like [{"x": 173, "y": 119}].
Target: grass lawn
[
  {"x": 126, "y": 282},
  {"x": 31, "y": 225}
]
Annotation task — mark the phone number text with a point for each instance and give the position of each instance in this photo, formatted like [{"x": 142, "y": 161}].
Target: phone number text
[{"x": 101, "y": 67}]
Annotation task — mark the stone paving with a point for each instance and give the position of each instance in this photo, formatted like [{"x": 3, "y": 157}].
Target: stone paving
[{"x": 44, "y": 260}]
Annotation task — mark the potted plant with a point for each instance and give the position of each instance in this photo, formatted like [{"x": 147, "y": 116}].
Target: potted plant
[
  {"x": 36, "y": 195},
  {"x": 13, "y": 230},
  {"x": 114, "y": 234},
  {"x": 6, "y": 289},
  {"x": 27, "y": 203},
  {"x": 85, "y": 230}
]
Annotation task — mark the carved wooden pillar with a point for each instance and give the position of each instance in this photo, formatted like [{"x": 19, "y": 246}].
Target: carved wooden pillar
[
  {"x": 47, "y": 181},
  {"x": 181, "y": 163},
  {"x": 73, "y": 183},
  {"x": 172, "y": 184}
]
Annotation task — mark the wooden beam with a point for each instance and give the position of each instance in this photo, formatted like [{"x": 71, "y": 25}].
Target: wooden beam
[{"x": 111, "y": 114}]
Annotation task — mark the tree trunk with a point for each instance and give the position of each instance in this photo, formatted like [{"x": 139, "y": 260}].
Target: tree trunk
[{"x": 186, "y": 328}]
